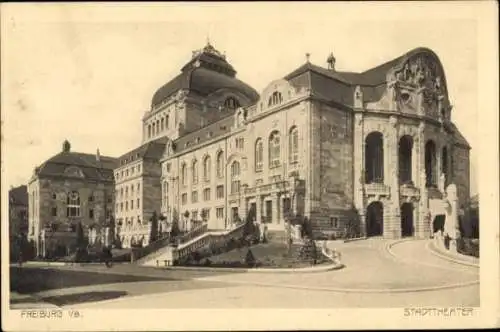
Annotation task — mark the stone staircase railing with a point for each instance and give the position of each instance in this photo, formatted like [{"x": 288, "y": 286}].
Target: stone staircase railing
[
  {"x": 180, "y": 251},
  {"x": 160, "y": 246}
]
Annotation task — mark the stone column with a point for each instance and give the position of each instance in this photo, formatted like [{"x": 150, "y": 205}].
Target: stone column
[
  {"x": 359, "y": 164},
  {"x": 275, "y": 200},
  {"x": 394, "y": 220},
  {"x": 258, "y": 207},
  {"x": 451, "y": 224}
]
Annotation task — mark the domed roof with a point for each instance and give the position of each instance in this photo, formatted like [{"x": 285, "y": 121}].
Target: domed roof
[{"x": 206, "y": 72}]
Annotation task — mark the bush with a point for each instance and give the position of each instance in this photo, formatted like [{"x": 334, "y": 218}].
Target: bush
[
  {"x": 467, "y": 246},
  {"x": 308, "y": 251},
  {"x": 249, "y": 258}
]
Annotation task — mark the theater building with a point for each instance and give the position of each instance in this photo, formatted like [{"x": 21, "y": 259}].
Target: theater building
[{"x": 377, "y": 147}]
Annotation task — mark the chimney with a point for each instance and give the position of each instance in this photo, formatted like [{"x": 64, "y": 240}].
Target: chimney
[{"x": 98, "y": 156}]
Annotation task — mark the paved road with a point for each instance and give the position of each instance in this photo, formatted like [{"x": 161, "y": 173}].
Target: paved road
[{"x": 407, "y": 274}]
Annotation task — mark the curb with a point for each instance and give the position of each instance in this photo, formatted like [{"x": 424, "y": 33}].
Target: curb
[
  {"x": 353, "y": 290},
  {"x": 34, "y": 263},
  {"x": 325, "y": 268},
  {"x": 437, "y": 252}
]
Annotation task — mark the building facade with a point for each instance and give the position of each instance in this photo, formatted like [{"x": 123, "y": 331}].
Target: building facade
[
  {"x": 68, "y": 189},
  {"x": 376, "y": 148},
  {"x": 18, "y": 218}
]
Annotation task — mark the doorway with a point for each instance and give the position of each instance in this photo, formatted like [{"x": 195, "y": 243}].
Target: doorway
[
  {"x": 269, "y": 211},
  {"x": 407, "y": 228},
  {"x": 374, "y": 219}
]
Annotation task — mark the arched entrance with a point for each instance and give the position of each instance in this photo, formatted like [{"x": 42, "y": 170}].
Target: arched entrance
[
  {"x": 407, "y": 228},
  {"x": 375, "y": 219}
]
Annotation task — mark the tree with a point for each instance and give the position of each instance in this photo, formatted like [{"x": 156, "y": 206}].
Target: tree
[
  {"x": 153, "y": 235},
  {"x": 80, "y": 240}
]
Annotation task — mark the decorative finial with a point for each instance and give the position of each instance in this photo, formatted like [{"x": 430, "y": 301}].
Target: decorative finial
[
  {"x": 308, "y": 55},
  {"x": 331, "y": 61}
]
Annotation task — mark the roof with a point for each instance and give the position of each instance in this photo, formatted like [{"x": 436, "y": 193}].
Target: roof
[
  {"x": 92, "y": 169},
  {"x": 19, "y": 195},
  {"x": 206, "y": 72},
  {"x": 150, "y": 150},
  {"x": 371, "y": 81},
  {"x": 204, "y": 134},
  {"x": 458, "y": 137}
]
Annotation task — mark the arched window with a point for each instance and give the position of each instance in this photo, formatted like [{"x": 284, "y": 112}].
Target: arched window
[
  {"x": 220, "y": 164},
  {"x": 374, "y": 158},
  {"x": 444, "y": 162},
  {"x": 294, "y": 145},
  {"x": 231, "y": 103},
  {"x": 183, "y": 174},
  {"x": 153, "y": 129},
  {"x": 207, "y": 169},
  {"x": 195, "y": 171},
  {"x": 166, "y": 122},
  {"x": 235, "y": 177},
  {"x": 157, "y": 126},
  {"x": 162, "y": 124},
  {"x": 259, "y": 155},
  {"x": 73, "y": 204},
  {"x": 149, "y": 131},
  {"x": 430, "y": 163},
  {"x": 274, "y": 149},
  {"x": 275, "y": 99}
]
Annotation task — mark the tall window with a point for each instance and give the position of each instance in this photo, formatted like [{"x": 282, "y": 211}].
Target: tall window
[
  {"x": 235, "y": 177},
  {"x": 194, "y": 197},
  {"x": 162, "y": 124},
  {"x": 184, "y": 198},
  {"x": 195, "y": 171},
  {"x": 73, "y": 204},
  {"x": 220, "y": 164},
  {"x": 374, "y": 158},
  {"x": 154, "y": 129},
  {"x": 166, "y": 121},
  {"x": 430, "y": 163},
  {"x": 183, "y": 174},
  {"x": 149, "y": 131},
  {"x": 274, "y": 149},
  {"x": 157, "y": 126},
  {"x": 275, "y": 99},
  {"x": 220, "y": 192},
  {"x": 165, "y": 192},
  {"x": 206, "y": 168},
  {"x": 206, "y": 194},
  {"x": 294, "y": 145},
  {"x": 259, "y": 155}
]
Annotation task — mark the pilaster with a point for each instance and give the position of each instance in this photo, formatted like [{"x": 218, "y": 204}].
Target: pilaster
[{"x": 393, "y": 178}]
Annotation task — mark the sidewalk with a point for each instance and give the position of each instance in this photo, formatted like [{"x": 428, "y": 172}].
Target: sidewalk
[{"x": 28, "y": 301}]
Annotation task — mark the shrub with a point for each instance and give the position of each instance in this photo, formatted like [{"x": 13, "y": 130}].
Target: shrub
[
  {"x": 249, "y": 258},
  {"x": 308, "y": 251}
]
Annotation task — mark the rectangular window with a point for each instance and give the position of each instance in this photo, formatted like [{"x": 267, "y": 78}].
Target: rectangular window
[
  {"x": 184, "y": 198},
  {"x": 91, "y": 213},
  {"x": 121, "y": 206},
  {"x": 131, "y": 204},
  {"x": 126, "y": 206},
  {"x": 206, "y": 194},
  {"x": 205, "y": 214},
  {"x": 138, "y": 203},
  {"x": 91, "y": 198},
  {"x": 219, "y": 212},
  {"x": 110, "y": 200},
  {"x": 138, "y": 187},
  {"x": 220, "y": 192},
  {"x": 194, "y": 197},
  {"x": 54, "y": 212},
  {"x": 194, "y": 215}
]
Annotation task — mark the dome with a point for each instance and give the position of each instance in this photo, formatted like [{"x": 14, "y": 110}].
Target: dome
[{"x": 206, "y": 72}]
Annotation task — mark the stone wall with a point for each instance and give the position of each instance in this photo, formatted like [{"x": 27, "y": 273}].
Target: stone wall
[{"x": 461, "y": 173}]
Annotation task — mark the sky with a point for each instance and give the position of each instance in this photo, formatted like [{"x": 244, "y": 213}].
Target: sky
[{"x": 86, "y": 73}]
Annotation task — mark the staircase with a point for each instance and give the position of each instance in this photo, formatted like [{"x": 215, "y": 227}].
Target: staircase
[{"x": 191, "y": 242}]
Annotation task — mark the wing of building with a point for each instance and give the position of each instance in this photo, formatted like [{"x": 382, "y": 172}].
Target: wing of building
[{"x": 65, "y": 190}]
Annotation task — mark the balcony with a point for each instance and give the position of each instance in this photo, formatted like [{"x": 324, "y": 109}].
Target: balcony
[
  {"x": 409, "y": 190},
  {"x": 375, "y": 189}
]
